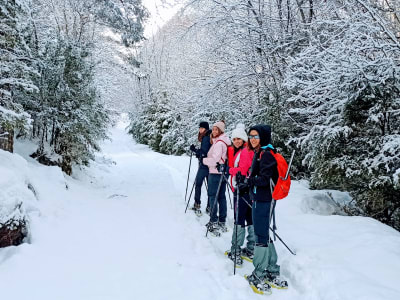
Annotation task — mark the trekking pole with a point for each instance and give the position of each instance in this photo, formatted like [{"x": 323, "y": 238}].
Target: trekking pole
[
  {"x": 229, "y": 194},
  {"x": 236, "y": 225},
  {"x": 190, "y": 195},
  {"x": 277, "y": 235},
  {"x": 187, "y": 181},
  {"x": 215, "y": 201}
]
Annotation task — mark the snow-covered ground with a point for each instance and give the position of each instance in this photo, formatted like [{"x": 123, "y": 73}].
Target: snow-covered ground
[{"x": 117, "y": 230}]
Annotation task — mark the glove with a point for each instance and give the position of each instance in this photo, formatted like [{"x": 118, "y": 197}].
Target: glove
[
  {"x": 222, "y": 168},
  {"x": 192, "y": 148}
]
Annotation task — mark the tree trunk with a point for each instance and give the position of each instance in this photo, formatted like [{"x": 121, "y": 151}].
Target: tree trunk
[{"x": 7, "y": 140}]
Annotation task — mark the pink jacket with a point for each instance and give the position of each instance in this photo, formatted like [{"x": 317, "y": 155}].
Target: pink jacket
[
  {"x": 217, "y": 153},
  {"x": 245, "y": 160}
]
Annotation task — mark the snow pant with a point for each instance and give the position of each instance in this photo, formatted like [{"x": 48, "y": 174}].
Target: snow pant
[
  {"x": 218, "y": 208},
  {"x": 265, "y": 256},
  {"x": 244, "y": 218},
  {"x": 202, "y": 173}
]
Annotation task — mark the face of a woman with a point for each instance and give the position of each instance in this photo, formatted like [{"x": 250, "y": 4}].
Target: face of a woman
[
  {"x": 254, "y": 138},
  {"x": 237, "y": 142},
  {"x": 201, "y": 130},
  {"x": 216, "y": 132}
]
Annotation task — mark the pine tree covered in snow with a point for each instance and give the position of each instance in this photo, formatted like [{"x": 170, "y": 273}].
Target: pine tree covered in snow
[
  {"x": 345, "y": 90},
  {"x": 17, "y": 64}
]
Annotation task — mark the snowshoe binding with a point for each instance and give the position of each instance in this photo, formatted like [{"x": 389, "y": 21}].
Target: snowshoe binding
[
  {"x": 196, "y": 209},
  {"x": 213, "y": 229},
  {"x": 258, "y": 286},
  {"x": 247, "y": 254},
  {"x": 276, "y": 282},
  {"x": 231, "y": 256},
  {"x": 222, "y": 226}
]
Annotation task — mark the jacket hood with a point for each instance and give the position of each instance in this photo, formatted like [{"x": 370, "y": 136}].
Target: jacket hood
[{"x": 264, "y": 131}]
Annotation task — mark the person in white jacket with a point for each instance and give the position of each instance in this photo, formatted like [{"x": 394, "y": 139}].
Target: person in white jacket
[{"x": 217, "y": 155}]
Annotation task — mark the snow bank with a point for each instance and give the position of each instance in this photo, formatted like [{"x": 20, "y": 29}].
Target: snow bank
[{"x": 15, "y": 196}]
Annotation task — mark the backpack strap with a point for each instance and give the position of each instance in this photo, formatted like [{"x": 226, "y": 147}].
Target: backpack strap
[{"x": 223, "y": 160}]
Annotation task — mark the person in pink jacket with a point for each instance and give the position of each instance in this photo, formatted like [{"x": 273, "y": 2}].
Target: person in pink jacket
[
  {"x": 217, "y": 155},
  {"x": 240, "y": 159}
]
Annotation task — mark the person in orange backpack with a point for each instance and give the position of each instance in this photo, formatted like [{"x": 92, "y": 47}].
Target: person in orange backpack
[
  {"x": 239, "y": 161},
  {"x": 263, "y": 172}
]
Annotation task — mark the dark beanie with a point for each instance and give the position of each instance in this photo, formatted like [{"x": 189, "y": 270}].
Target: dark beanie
[{"x": 204, "y": 125}]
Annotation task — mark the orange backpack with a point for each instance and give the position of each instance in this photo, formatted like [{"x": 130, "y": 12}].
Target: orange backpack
[{"x": 282, "y": 186}]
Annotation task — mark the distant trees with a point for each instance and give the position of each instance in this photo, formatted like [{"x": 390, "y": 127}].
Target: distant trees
[{"x": 48, "y": 90}]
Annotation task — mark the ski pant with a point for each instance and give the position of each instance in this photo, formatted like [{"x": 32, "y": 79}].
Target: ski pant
[
  {"x": 202, "y": 173},
  {"x": 244, "y": 218},
  {"x": 217, "y": 202},
  {"x": 265, "y": 256},
  {"x": 245, "y": 210}
]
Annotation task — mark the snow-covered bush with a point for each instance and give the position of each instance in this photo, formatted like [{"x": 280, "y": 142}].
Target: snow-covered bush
[{"x": 15, "y": 199}]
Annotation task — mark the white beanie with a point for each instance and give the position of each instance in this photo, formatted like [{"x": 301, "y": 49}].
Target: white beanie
[{"x": 239, "y": 132}]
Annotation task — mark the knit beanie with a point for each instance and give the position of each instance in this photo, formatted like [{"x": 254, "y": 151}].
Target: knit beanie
[
  {"x": 204, "y": 125},
  {"x": 239, "y": 132},
  {"x": 220, "y": 125}
]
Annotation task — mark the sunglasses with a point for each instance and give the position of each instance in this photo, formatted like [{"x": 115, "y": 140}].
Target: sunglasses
[{"x": 257, "y": 137}]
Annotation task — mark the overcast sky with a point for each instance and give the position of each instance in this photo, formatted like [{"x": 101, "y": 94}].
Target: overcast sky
[{"x": 161, "y": 11}]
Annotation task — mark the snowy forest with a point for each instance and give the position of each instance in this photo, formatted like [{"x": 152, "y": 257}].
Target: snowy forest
[
  {"x": 324, "y": 74},
  {"x": 101, "y": 103}
]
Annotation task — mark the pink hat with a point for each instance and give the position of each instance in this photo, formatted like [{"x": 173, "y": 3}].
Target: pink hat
[{"x": 220, "y": 125}]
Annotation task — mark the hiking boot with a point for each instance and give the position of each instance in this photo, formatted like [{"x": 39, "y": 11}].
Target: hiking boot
[
  {"x": 276, "y": 281},
  {"x": 213, "y": 228},
  {"x": 222, "y": 226},
  {"x": 247, "y": 254},
  {"x": 231, "y": 256},
  {"x": 196, "y": 206},
  {"x": 259, "y": 286}
]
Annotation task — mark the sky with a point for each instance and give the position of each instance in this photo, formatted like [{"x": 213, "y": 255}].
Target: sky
[{"x": 160, "y": 12}]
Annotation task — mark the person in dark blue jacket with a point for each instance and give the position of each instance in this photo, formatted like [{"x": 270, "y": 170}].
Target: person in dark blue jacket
[
  {"x": 263, "y": 170},
  {"x": 202, "y": 172}
]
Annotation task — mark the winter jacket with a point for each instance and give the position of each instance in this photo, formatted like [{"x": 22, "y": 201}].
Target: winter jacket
[
  {"x": 203, "y": 150},
  {"x": 243, "y": 165},
  {"x": 217, "y": 153},
  {"x": 264, "y": 168}
]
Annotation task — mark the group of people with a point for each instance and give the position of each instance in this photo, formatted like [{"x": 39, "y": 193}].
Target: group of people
[{"x": 245, "y": 164}]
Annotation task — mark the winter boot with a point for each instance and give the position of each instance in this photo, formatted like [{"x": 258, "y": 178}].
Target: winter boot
[
  {"x": 222, "y": 226},
  {"x": 276, "y": 282},
  {"x": 247, "y": 254},
  {"x": 231, "y": 256},
  {"x": 213, "y": 229},
  {"x": 257, "y": 285},
  {"x": 197, "y": 210}
]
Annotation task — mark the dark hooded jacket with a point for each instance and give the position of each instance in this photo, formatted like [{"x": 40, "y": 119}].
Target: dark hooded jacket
[
  {"x": 264, "y": 167},
  {"x": 203, "y": 150}
]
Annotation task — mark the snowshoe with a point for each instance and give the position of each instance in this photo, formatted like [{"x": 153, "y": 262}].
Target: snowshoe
[
  {"x": 257, "y": 285},
  {"x": 231, "y": 256},
  {"x": 213, "y": 229},
  {"x": 276, "y": 282},
  {"x": 198, "y": 212},
  {"x": 222, "y": 226},
  {"x": 247, "y": 254}
]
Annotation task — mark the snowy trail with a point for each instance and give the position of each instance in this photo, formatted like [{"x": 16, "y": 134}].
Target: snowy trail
[{"x": 119, "y": 232}]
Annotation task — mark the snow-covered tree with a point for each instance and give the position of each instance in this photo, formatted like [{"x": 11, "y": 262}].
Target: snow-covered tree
[
  {"x": 16, "y": 65},
  {"x": 346, "y": 92}
]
